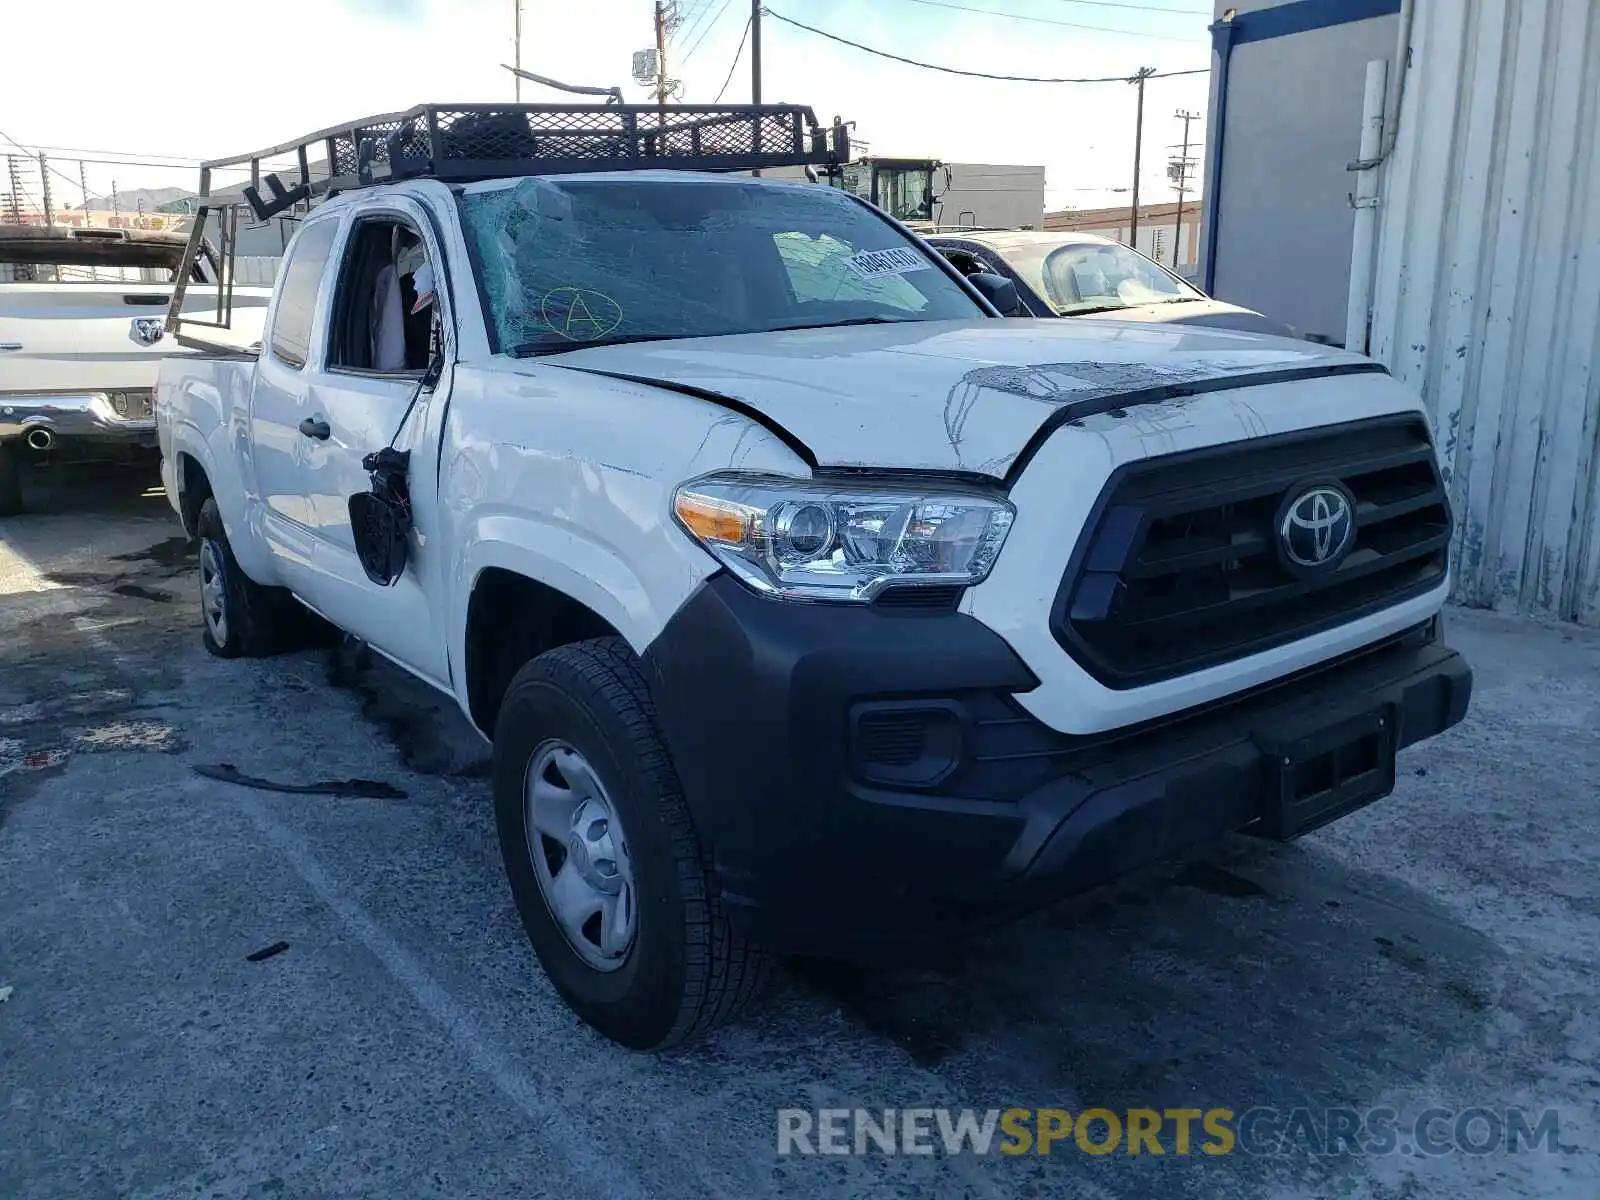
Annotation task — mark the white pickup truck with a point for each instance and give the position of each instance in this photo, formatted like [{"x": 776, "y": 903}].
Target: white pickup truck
[
  {"x": 807, "y": 603},
  {"x": 81, "y": 334}
]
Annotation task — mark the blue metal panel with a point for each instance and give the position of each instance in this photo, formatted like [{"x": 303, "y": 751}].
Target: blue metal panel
[{"x": 1302, "y": 16}]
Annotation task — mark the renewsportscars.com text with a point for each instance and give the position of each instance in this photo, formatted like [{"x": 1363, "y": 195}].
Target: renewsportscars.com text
[{"x": 1175, "y": 1131}]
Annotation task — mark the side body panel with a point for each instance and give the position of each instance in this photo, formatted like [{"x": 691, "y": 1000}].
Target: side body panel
[
  {"x": 203, "y": 411},
  {"x": 567, "y": 478}
]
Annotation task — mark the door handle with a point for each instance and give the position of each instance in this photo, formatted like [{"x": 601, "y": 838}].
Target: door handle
[{"x": 315, "y": 427}]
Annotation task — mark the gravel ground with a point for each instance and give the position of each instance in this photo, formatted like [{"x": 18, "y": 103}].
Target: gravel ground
[{"x": 1437, "y": 950}]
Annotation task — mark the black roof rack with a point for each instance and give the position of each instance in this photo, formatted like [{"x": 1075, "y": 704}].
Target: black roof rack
[{"x": 460, "y": 143}]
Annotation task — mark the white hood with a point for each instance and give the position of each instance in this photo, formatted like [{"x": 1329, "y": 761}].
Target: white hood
[{"x": 945, "y": 395}]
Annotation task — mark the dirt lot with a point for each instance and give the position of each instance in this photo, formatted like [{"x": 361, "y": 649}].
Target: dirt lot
[{"x": 1437, "y": 950}]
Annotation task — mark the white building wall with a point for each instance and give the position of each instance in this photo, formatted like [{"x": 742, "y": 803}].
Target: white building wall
[
  {"x": 1487, "y": 290},
  {"x": 990, "y": 196}
]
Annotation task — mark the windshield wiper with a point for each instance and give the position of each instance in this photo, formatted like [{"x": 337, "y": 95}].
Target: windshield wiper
[
  {"x": 1093, "y": 308},
  {"x": 846, "y": 321},
  {"x": 539, "y": 349}
]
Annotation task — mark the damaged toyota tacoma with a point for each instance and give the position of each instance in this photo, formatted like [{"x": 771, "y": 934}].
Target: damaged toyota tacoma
[{"x": 808, "y": 604}]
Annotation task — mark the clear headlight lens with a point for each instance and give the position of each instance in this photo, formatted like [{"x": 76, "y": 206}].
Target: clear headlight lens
[{"x": 810, "y": 541}]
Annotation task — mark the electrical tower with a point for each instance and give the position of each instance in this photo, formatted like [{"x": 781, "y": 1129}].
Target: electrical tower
[
  {"x": 13, "y": 207},
  {"x": 1178, "y": 172}
]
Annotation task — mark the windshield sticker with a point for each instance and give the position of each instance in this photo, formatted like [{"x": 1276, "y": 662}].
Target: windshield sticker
[
  {"x": 900, "y": 260},
  {"x": 579, "y": 314}
]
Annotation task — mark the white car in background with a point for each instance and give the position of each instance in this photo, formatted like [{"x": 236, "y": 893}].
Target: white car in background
[
  {"x": 81, "y": 335},
  {"x": 1070, "y": 274}
]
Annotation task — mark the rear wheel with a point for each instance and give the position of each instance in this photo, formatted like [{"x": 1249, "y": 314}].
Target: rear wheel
[
  {"x": 604, "y": 864},
  {"x": 242, "y": 618},
  {"x": 10, "y": 483}
]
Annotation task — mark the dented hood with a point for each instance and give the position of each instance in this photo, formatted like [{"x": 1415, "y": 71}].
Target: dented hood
[{"x": 947, "y": 395}]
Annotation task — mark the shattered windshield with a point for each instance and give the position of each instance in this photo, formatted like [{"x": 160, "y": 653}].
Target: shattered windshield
[{"x": 571, "y": 262}]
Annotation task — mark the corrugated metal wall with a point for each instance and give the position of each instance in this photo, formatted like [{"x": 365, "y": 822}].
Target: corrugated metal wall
[{"x": 1488, "y": 287}]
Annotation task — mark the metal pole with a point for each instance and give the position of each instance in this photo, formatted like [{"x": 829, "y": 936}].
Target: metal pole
[
  {"x": 1358, "y": 302},
  {"x": 661, "y": 59},
  {"x": 83, "y": 183},
  {"x": 13, "y": 214},
  {"x": 516, "y": 48},
  {"x": 44, "y": 187},
  {"x": 1183, "y": 179},
  {"x": 755, "y": 70},
  {"x": 1138, "y": 79}
]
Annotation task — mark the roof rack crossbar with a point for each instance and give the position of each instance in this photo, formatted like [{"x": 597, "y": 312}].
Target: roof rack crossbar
[{"x": 461, "y": 143}]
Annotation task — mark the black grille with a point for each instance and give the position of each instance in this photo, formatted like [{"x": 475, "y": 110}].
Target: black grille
[
  {"x": 892, "y": 738},
  {"x": 1181, "y": 568},
  {"x": 937, "y": 598}
]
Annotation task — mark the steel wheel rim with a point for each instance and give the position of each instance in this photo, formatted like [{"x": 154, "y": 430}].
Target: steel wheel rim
[
  {"x": 580, "y": 855},
  {"x": 213, "y": 591}
]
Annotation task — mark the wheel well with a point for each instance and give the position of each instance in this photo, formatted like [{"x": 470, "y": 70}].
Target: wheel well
[
  {"x": 511, "y": 619},
  {"x": 194, "y": 489}
]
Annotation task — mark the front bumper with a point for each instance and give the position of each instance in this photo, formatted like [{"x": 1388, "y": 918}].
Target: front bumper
[
  {"x": 862, "y": 777},
  {"x": 85, "y": 420}
]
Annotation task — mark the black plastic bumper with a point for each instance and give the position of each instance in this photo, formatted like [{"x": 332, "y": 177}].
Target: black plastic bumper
[{"x": 863, "y": 777}]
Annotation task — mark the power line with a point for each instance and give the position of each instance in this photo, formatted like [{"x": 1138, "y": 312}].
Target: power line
[
  {"x": 689, "y": 22},
  {"x": 1149, "y": 8},
  {"x": 833, "y": 37},
  {"x": 734, "y": 65},
  {"x": 1010, "y": 16},
  {"x": 705, "y": 33},
  {"x": 25, "y": 150}
]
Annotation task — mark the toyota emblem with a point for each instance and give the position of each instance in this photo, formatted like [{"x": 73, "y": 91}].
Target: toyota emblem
[{"x": 1316, "y": 527}]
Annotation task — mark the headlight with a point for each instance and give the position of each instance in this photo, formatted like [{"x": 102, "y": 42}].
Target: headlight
[{"x": 807, "y": 540}]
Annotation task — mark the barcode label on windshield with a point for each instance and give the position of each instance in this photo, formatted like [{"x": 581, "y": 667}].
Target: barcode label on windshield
[{"x": 897, "y": 261}]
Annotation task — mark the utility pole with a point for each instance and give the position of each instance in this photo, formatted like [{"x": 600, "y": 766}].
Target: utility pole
[
  {"x": 661, "y": 58},
  {"x": 44, "y": 186},
  {"x": 1138, "y": 79},
  {"x": 13, "y": 214},
  {"x": 83, "y": 184},
  {"x": 516, "y": 45},
  {"x": 755, "y": 51},
  {"x": 1183, "y": 178},
  {"x": 755, "y": 70}
]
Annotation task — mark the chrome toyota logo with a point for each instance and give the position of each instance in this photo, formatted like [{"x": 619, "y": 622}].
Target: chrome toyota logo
[
  {"x": 147, "y": 331},
  {"x": 1316, "y": 528}
]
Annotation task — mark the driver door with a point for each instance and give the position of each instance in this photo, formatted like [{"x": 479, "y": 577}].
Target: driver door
[{"x": 362, "y": 398}]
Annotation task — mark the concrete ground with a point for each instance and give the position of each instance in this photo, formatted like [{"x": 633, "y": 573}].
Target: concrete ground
[{"x": 1435, "y": 950}]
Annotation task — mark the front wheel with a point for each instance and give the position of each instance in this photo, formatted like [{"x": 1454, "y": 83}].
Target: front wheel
[{"x": 602, "y": 857}]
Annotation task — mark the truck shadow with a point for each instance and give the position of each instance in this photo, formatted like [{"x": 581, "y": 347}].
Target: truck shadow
[{"x": 1259, "y": 975}]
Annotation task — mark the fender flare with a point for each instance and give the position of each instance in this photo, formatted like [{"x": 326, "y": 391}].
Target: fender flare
[
  {"x": 227, "y": 489},
  {"x": 580, "y": 567}
]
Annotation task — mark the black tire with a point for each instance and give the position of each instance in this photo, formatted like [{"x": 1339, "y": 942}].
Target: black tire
[
  {"x": 258, "y": 620},
  {"x": 10, "y": 483},
  {"x": 687, "y": 970}
]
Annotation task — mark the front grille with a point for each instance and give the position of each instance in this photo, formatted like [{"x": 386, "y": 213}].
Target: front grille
[
  {"x": 1180, "y": 568},
  {"x": 936, "y": 598}
]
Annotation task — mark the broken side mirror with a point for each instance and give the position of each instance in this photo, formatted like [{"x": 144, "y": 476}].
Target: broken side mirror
[{"x": 1000, "y": 292}]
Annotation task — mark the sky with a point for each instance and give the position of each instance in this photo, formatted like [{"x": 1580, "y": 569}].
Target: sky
[{"x": 140, "y": 79}]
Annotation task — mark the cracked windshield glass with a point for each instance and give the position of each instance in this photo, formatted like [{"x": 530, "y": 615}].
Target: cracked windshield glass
[{"x": 570, "y": 263}]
